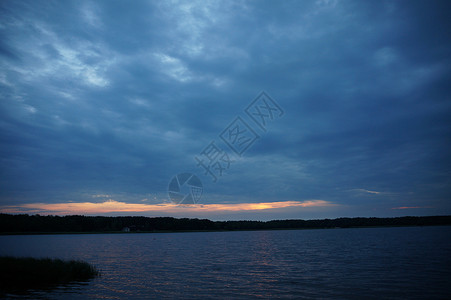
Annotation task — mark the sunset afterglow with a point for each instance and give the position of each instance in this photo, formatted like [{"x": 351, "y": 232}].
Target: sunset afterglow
[{"x": 112, "y": 206}]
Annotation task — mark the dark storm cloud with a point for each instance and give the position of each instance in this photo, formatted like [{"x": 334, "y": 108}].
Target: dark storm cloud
[{"x": 116, "y": 98}]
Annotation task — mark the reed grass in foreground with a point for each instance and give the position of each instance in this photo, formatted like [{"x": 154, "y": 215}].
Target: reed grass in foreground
[{"x": 19, "y": 274}]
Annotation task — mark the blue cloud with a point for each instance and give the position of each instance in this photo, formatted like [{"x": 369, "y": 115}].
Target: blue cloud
[{"x": 116, "y": 98}]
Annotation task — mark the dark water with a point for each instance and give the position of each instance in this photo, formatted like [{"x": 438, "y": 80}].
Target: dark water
[{"x": 375, "y": 263}]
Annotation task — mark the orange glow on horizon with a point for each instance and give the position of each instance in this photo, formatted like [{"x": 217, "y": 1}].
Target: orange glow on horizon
[
  {"x": 113, "y": 206},
  {"x": 409, "y": 207}
]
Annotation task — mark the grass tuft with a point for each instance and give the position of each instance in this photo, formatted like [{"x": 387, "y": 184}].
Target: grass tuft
[{"x": 18, "y": 274}]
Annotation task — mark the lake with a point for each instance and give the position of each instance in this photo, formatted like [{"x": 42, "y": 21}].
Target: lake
[{"x": 374, "y": 263}]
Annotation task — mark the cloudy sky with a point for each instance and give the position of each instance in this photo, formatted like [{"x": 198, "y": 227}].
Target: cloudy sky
[{"x": 102, "y": 103}]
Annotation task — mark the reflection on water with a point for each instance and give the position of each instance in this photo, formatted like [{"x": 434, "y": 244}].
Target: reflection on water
[{"x": 341, "y": 263}]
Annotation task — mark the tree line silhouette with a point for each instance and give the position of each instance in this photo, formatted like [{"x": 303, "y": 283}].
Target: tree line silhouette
[{"x": 24, "y": 223}]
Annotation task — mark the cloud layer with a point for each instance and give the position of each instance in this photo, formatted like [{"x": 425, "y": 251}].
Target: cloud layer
[{"x": 116, "y": 98}]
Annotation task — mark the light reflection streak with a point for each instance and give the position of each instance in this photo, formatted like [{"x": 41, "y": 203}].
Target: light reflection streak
[{"x": 410, "y": 207}]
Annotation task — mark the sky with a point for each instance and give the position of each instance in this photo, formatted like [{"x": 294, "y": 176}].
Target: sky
[{"x": 226, "y": 110}]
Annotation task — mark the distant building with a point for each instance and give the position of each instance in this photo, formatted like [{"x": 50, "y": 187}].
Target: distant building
[{"x": 126, "y": 229}]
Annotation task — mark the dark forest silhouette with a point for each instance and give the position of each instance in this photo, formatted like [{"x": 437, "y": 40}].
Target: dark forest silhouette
[{"x": 54, "y": 224}]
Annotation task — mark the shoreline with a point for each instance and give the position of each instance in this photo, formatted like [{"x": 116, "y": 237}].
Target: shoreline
[
  {"x": 78, "y": 224},
  {"x": 188, "y": 231}
]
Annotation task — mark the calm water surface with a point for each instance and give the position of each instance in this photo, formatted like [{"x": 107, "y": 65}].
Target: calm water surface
[{"x": 375, "y": 263}]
